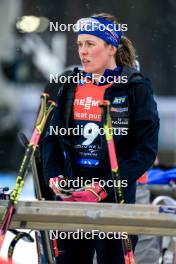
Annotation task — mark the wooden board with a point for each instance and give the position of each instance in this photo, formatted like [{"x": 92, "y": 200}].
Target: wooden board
[{"x": 51, "y": 215}]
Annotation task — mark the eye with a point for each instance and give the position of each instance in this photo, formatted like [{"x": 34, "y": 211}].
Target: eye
[
  {"x": 79, "y": 44},
  {"x": 90, "y": 44}
]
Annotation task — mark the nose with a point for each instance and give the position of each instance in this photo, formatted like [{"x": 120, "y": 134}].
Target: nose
[{"x": 83, "y": 50}]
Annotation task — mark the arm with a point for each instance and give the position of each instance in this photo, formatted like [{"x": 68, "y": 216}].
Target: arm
[{"x": 144, "y": 133}]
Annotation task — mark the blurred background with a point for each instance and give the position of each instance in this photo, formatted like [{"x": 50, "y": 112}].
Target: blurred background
[{"x": 29, "y": 52}]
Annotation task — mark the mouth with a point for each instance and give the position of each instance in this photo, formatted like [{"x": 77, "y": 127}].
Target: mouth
[{"x": 85, "y": 61}]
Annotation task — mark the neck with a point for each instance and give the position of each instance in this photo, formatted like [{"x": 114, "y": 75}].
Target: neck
[{"x": 97, "y": 75}]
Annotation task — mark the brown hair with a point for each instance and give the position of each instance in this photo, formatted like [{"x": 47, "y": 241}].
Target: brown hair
[{"x": 126, "y": 53}]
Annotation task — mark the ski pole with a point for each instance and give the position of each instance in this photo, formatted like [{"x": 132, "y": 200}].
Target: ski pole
[
  {"x": 45, "y": 109},
  {"x": 47, "y": 243},
  {"x": 126, "y": 243},
  {"x": 43, "y": 234}
]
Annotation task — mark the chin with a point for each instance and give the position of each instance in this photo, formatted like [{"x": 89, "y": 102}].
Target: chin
[{"x": 89, "y": 69}]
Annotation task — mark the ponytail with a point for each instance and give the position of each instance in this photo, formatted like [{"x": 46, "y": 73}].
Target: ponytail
[{"x": 126, "y": 53}]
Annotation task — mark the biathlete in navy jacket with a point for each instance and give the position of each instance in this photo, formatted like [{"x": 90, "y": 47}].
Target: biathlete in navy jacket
[{"x": 76, "y": 161}]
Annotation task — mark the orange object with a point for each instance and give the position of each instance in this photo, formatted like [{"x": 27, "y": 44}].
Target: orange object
[
  {"x": 143, "y": 179},
  {"x": 87, "y": 107}
]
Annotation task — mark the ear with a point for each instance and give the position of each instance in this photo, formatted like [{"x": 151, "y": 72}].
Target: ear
[{"x": 112, "y": 50}]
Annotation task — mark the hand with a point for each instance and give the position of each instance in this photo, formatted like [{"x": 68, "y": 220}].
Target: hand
[
  {"x": 64, "y": 192},
  {"x": 92, "y": 193}
]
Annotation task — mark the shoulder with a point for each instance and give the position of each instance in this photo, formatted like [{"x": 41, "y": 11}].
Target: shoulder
[
  {"x": 138, "y": 86},
  {"x": 56, "y": 86},
  {"x": 140, "y": 93}
]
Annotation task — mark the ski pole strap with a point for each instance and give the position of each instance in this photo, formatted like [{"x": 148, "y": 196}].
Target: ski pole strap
[
  {"x": 19, "y": 235},
  {"x": 45, "y": 110}
]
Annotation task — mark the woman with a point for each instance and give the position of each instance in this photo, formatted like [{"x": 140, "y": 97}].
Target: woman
[{"x": 108, "y": 61}]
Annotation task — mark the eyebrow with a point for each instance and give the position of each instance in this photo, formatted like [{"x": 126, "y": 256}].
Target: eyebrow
[{"x": 90, "y": 40}]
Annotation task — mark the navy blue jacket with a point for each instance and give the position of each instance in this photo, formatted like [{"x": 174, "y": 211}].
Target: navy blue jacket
[{"x": 136, "y": 151}]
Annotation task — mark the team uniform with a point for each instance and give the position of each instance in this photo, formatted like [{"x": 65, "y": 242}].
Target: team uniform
[{"x": 135, "y": 120}]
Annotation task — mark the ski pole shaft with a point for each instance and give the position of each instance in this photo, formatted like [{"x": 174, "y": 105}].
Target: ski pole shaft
[
  {"x": 126, "y": 244},
  {"x": 47, "y": 242}
]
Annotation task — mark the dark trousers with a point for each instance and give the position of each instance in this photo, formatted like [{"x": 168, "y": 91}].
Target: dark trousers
[{"x": 74, "y": 251}]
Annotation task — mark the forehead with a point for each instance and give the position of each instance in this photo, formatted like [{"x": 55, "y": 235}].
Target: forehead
[{"x": 88, "y": 37}]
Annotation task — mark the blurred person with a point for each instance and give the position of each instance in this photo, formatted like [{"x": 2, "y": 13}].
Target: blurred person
[
  {"x": 106, "y": 53},
  {"x": 148, "y": 246}
]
